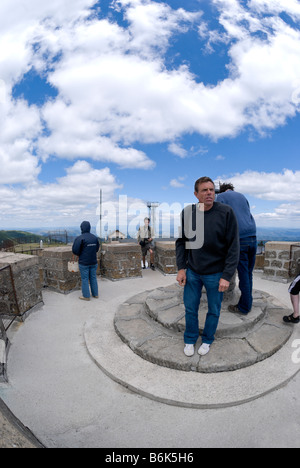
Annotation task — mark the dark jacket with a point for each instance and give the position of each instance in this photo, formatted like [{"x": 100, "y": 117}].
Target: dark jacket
[
  {"x": 221, "y": 247},
  {"x": 86, "y": 246}
]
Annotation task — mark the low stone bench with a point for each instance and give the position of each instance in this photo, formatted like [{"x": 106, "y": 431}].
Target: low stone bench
[
  {"x": 120, "y": 260},
  {"x": 55, "y": 270}
]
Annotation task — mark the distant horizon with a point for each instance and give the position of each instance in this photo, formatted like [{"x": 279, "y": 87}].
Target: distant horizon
[{"x": 280, "y": 232}]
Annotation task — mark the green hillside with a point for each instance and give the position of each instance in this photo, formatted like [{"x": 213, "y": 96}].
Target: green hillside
[{"x": 19, "y": 236}]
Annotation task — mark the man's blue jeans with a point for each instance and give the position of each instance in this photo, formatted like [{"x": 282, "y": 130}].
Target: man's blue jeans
[
  {"x": 89, "y": 277},
  {"x": 248, "y": 248},
  {"x": 192, "y": 298}
]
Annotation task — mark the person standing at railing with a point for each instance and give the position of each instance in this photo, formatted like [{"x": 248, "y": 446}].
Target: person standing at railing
[{"x": 86, "y": 247}]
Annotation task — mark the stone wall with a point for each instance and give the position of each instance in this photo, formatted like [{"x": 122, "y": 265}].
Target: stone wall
[
  {"x": 282, "y": 260},
  {"x": 119, "y": 261},
  {"x": 26, "y": 284},
  {"x": 54, "y": 266}
]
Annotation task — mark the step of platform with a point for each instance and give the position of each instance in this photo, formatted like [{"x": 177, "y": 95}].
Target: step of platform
[{"x": 152, "y": 325}]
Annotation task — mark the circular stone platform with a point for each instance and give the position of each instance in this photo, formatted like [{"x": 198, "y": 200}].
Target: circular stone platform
[
  {"x": 152, "y": 325},
  {"x": 201, "y": 390}
]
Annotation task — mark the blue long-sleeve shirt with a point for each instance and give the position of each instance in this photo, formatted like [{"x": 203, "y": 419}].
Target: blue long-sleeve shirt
[{"x": 241, "y": 208}]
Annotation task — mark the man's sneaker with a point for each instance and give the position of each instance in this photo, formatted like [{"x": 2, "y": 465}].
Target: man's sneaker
[
  {"x": 204, "y": 349},
  {"x": 189, "y": 350}
]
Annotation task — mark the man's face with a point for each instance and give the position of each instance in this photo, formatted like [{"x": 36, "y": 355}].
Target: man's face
[{"x": 206, "y": 195}]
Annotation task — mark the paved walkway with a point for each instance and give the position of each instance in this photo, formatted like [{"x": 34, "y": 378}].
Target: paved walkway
[{"x": 58, "y": 391}]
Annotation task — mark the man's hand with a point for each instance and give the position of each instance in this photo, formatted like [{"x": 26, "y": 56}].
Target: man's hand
[
  {"x": 223, "y": 285},
  {"x": 181, "y": 277}
]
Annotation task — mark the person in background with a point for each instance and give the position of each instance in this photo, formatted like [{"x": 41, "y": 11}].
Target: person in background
[
  {"x": 207, "y": 254},
  {"x": 86, "y": 247},
  {"x": 248, "y": 245},
  {"x": 145, "y": 238},
  {"x": 294, "y": 291}
]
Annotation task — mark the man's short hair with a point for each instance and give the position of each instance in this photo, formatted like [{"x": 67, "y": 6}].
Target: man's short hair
[
  {"x": 202, "y": 180},
  {"x": 225, "y": 187}
]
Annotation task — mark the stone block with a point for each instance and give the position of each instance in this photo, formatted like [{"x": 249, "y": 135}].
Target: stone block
[
  {"x": 56, "y": 274},
  {"x": 260, "y": 262},
  {"x": 120, "y": 260},
  {"x": 165, "y": 257},
  {"x": 20, "y": 284}
]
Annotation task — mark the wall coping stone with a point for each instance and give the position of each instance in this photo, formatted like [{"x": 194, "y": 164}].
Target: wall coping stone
[{"x": 280, "y": 245}]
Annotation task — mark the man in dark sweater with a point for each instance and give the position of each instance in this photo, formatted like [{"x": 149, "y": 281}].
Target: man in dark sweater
[
  {"x": 248, "y": 245},
  {"x": 207, "y": 253}
]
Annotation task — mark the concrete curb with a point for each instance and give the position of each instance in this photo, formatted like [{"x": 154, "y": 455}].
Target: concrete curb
[{"x": 186, "y": 389}]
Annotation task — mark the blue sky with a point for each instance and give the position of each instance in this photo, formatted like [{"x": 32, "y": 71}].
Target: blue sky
[{"x": 142, "y": 97}]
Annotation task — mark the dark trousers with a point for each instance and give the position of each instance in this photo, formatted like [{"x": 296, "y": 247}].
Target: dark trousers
[{"x": 248, "y": 249}]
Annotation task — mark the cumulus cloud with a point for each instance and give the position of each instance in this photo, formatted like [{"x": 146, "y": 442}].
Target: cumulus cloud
[
  {"x": 270, "y": 186},
  {"x": 178, "y": 150},
  {"x": 64, "y": 201},
  {"x": 273, "y": 187},
  {"x": 177, "y": 183},
  {"x": 19, "y": 127},
  {"x": 113, "y": 83}
]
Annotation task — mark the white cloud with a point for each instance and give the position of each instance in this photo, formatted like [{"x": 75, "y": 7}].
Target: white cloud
[
  {"x": 115, "y": 90},
  {"x": 178, "y": 150},
  {"x": 19, "y": 127},
  {"x": 291, "y": 7},
  {"x": 152, "y": 24},
  {"x": 177, "y": 183},
  {"x": 65, "y": 201},
  {"x": 270, "y": 186}
]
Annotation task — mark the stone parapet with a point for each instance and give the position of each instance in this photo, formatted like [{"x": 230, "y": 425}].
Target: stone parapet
[
  {"x": 119, "y": 261},
  {"x": 55, "y": 270},
  {"x": 165, "y": 257},
  {"x": 20, "y": 285},
  {"x": 282, "y": 260}
]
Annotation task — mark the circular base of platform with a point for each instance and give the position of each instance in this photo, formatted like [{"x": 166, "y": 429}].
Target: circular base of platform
[
  {"x": 189, "y": 389},
  {"x": 152, "y": 325}
]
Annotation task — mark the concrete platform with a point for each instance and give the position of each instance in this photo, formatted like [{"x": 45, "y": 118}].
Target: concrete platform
[{"x": 58, "y": 392}]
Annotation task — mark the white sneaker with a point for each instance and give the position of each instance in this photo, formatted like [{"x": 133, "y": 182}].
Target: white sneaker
[
  {"x": 204, "y": 349},
  {"x": 189, "y": 350}
]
